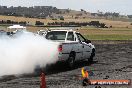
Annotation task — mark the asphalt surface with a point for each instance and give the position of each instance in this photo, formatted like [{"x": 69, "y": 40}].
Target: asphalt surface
[{"x": 112, "y": 61}]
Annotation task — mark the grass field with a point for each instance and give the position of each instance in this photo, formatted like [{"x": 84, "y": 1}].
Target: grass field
[
  {"x": 100, "y": 34},
  {"x": 109, "y": 37},
  {"x": 119, "y": 31},
  {"x": 107, "y": 34},
  {"x": 114, "y": 24},
  {"x": 97, "y": 33}
]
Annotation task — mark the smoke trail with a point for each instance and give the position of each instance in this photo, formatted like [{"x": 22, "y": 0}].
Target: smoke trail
[{"x": 23, "y": 51}]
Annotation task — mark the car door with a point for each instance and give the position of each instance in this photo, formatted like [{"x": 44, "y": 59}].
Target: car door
[
  {"x": 76, "y": 46},
  {"x": 86, "y": 50}
]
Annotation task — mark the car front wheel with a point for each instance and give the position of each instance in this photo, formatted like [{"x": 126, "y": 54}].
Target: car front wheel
[{"x": 92, "y": 56}]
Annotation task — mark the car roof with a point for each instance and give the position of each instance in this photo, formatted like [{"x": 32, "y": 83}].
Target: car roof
[
  {"x": 16, "y": 27},
  {"x": 64, "y": 30}
]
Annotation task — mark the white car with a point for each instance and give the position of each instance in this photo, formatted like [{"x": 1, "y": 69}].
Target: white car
[{"x": 72, "y": 46}]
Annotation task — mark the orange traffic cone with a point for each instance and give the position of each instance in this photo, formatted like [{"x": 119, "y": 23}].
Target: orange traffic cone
[{"x": 42, "y": 81}]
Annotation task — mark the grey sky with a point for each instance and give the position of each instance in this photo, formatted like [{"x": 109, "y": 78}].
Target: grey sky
[{"x": 122, "y": 6}]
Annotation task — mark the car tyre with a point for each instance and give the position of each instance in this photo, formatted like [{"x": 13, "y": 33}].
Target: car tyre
[
  {"x": 71, "y": 61},
  {"x": 92, "y": 56}
]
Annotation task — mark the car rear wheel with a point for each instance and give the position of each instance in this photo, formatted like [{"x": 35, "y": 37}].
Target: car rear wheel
[{"x": 71, "y": 61}]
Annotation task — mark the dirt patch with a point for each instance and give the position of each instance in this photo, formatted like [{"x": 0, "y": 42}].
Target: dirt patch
[{"x": 112, "y": 61}]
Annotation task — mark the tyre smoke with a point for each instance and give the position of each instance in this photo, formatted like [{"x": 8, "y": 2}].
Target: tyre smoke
[{"x": 23, "y": 51}]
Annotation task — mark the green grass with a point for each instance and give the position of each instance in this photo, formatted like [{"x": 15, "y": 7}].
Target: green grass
[
  {"x": 108, "y": 37},
  {"x": 106, "y": 34}
]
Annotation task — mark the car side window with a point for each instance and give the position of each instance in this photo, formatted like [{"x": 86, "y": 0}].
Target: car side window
[
  {"x": 80, "y": 37},
  {"x": 70, "y": 36}
]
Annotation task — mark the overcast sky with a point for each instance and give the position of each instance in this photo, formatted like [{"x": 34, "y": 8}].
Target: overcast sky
[{"x": 121, "y": 6}]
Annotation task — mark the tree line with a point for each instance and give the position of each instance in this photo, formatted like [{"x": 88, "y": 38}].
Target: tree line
[
  {"x": 92, "y": 23},
  {"x": 13, "y": 22},
  {"x": 31, "y": 12},
  {"x": 106, "y": 14},
  {"x": 39, "y": 23}
]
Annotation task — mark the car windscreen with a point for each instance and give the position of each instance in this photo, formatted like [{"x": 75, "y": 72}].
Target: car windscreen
[{"x": 56, "y": 35}]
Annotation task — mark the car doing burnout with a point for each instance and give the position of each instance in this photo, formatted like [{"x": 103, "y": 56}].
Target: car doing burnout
[{"x": 72, "y": 46}]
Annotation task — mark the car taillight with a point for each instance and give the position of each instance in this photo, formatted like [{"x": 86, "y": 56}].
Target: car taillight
[{"x": 60, "y": 48}]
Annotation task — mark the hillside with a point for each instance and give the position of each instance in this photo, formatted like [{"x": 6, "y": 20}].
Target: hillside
[
  {"x": 41, "y": 12},
  {"x": 44, "y": 12}
]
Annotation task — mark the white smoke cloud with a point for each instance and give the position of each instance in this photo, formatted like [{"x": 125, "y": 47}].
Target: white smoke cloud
[{"x": 22, "y": 52}]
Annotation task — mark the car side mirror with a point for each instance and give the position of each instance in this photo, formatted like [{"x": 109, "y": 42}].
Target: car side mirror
[{"x": 87, "y": 41}]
